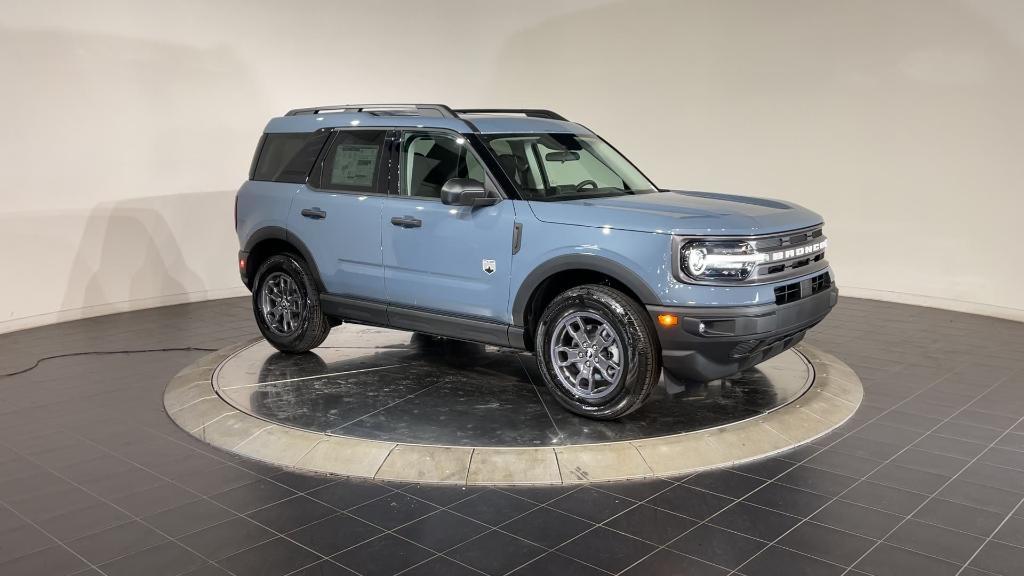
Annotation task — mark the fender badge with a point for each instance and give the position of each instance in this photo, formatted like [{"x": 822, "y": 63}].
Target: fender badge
[{"x": 489, "y": 266}]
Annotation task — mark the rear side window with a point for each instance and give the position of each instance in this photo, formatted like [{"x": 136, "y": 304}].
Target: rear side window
[
  {"x": 351, "y": 163},
  {"x": 288, "y": 157}
]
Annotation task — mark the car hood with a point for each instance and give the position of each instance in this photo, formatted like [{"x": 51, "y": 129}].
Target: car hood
[{"x": 680, "y": 212}]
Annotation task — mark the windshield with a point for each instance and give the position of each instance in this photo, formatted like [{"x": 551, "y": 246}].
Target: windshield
[{"x": 552, "y": 167}]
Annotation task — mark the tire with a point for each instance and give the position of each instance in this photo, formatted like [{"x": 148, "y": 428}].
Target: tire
[
  {"x": 604, "y": 312},
  {"x": 308, "y": 327}
]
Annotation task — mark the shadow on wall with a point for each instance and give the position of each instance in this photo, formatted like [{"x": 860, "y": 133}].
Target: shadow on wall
[
  {"x": 108, "y": 138},
  {"x": 118, "y": 256},
  {"x": 135, "y": 250}
]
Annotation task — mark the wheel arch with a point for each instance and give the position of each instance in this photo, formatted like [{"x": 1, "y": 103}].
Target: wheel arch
[
  {"x": 271, "y": 240},
  {"x": 563, "y": 272}
]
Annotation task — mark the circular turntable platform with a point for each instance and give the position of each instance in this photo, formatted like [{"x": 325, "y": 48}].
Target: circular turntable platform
[
  {"x": 396, "y": 386},
  {"x": 389, "y": 404}
]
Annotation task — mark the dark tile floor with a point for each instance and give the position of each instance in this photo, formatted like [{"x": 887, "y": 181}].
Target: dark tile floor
[{"x": 927, "y": 478}]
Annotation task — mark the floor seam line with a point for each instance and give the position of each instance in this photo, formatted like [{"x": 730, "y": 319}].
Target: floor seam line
[
  {"x": 991, "y": 536},
  {"x": 287, "y": 380},
  {"x": 399, "y": 401},
  {"x": 796, "y": 464},
  {"x": 51, "y": 536},
  {"x": 536, "y": 389},
  {"x": 382, "y": 462},
  {"x": 176, "y": 410},
  {"x": 203, "y": 427},
  {"x": 253, "y": 435},
  {"x": 865, "y": 478}
]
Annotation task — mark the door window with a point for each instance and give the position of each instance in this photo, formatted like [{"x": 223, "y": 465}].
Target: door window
[
  {"x": 431, "y": 159},
  {"x": 351, "y": 163}
]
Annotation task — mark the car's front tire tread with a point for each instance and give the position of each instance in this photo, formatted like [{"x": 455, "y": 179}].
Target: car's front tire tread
[{"x": 635, "y": 329}]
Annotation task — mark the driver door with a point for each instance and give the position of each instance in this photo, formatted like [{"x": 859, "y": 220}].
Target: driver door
[{"x": 446, "y": 268}]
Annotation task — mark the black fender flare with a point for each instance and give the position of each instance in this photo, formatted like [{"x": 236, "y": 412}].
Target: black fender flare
[
  {"x": 590, "y": 262},
  {"x": 280, "y": 233}
]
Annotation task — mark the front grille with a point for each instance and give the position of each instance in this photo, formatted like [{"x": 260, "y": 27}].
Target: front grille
[
  {"x": 791, "y": 246},
  {"x": 792, "y": 292},
  {"x": 820, "y": 282},
  {"x": 788, "y": 293},
  {"x": 790, "y": 239}
]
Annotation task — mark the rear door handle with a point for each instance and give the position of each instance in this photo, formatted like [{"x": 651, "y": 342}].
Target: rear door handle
[
  {"x": 314, "y": 213},
  {"x": 407, "y": 222}
]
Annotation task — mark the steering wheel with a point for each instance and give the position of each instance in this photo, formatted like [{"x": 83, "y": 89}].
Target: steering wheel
[{"x": 586, "y": 183}]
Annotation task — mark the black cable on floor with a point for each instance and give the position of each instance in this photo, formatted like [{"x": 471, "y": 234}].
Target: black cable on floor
[{"x": 103, "y": 352}]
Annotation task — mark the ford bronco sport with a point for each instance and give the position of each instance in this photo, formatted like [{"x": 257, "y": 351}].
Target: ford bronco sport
[{"x": 519, "y": 228}]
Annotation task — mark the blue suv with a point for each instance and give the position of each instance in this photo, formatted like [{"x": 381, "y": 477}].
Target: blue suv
[{"x": 519, "y": 228}]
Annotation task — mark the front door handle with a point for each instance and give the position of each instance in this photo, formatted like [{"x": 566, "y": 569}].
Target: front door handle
[
  {"x": 407, "y": 222},
  {"x": 314, "y": 213}
]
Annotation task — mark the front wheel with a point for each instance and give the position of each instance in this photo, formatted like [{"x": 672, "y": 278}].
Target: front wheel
[
  {"x": 597, "y": 350},
  {"x": 286, "y": 303}
]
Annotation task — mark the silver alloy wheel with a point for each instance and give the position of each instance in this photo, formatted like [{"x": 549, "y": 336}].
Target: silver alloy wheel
[
  {"x": 282, "y": 304},
  {"x": 586, "y": 355}
]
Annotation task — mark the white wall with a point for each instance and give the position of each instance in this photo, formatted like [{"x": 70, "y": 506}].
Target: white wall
[{"x": 129, "y": 124}]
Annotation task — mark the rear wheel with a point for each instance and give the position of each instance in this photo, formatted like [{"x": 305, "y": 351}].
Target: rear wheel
[
  {"x": 286, "y": 303},
  {"x": 597, "y": 351}
]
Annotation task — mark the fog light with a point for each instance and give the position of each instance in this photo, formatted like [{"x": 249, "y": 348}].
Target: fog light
[{"x": 668, "y": 320}]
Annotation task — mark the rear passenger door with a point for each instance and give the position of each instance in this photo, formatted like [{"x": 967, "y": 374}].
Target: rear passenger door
[
  {"x": 446, "y": 267},
  {"x": 337, "y": 215}
]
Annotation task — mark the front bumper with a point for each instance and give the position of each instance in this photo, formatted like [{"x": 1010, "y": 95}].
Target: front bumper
[{"x": 734, "y": 339}]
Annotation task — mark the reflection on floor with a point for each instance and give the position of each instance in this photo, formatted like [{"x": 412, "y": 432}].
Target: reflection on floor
[
  {"x": 926, "y": 478},
  {"x": 403, "y": 387}
]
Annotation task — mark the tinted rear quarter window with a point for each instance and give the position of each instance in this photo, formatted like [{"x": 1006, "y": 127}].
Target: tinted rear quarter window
[{"x": 288, "y": 157}]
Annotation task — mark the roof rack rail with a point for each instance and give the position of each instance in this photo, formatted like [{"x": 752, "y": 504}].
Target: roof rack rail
[
  {"x": 440, "y": 109},
  {"x": 529, "y": 112}
]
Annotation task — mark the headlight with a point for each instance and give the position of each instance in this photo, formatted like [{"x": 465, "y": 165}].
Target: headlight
[{"x": 720, "y": 260}]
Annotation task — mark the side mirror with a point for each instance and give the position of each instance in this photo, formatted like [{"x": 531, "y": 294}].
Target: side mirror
[{"x": 465, "y": 192}]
